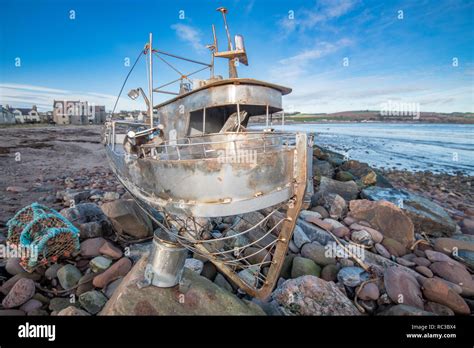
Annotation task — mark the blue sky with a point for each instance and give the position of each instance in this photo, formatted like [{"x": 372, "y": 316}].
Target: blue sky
[{"x": 336, "y": 55}]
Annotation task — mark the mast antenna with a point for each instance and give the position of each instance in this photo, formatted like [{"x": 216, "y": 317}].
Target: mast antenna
[
  {"x": 150, "y": 79},
  {"x": 235, "y": 56}
]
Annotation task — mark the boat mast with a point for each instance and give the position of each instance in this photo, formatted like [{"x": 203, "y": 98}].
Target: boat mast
[
  {"x": 232, "y": 68},
  {"x": 150, "y": 79}
]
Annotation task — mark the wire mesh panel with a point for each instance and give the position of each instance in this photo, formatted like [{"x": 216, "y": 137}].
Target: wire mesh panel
[{"x": 248, "y": 248}]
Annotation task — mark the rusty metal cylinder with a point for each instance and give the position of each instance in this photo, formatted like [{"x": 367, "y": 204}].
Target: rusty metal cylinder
[{"x": 166, "y": 261}]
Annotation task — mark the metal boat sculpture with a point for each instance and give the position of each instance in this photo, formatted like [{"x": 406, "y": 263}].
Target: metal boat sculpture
[{"x": 213, "y": 186}]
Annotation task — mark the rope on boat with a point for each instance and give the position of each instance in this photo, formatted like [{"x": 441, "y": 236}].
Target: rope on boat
[{"x": 124, "y": 82}]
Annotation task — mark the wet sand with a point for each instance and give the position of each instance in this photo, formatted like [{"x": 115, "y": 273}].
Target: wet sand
[{"x": 35, "y": 161}]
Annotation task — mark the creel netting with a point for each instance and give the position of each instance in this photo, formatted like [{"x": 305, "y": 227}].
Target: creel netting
[{"x": 42, "y": 234}]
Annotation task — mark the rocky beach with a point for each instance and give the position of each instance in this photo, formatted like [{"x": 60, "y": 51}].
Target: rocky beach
[{"x": 372, "y": 241}]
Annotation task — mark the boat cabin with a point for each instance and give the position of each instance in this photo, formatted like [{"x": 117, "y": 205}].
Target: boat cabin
[{"x": 218, "y": 106}]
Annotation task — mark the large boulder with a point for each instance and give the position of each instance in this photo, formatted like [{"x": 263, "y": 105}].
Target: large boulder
[
  {"x": 365, "y": 174},
  {"x": 346, "y": 189},
  {"x": 309, "y": 295},
  {"x": 403, "y": 288},
  {"x": 322, "y": 168},
  {"x": 426, "y": 215},
  {"x": 453, "y": 245},
  {"x": 128, "y": 218},
  {"x": 436, "y": 290},
  {"x": 89, "y": 219},
  {"x": 200, "y": 296},
  {"x": 386, "y": 218}
]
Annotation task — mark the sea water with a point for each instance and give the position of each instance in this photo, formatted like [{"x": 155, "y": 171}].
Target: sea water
[{"x": 439, "y": 148}]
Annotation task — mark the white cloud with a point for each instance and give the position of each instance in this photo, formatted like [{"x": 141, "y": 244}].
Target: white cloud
[
  {"x": 295, "y": 66},
  {"x": 334, "y": 92},
  {"x": 189, "y": 35},
  {"x": 325, "y": 11}
]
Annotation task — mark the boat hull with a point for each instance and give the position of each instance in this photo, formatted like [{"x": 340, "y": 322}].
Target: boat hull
[{"x": 210, "y": 187}]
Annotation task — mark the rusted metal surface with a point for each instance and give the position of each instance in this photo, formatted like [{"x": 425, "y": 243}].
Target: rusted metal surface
[
  {"x": 212, "y": 186},
  {"x": 272, "y": 242},
  {"x": 192, "y": 173},
  {"x": 175, "y": 113}
]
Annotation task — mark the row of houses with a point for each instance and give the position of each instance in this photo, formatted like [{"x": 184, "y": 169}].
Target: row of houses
[
  {"x": 9, "y": 115},
  {"x": 64, "y": 112},
  {"x": 77, "y": 112}
]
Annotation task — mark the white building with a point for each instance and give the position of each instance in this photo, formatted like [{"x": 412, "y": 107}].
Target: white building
[{"x": 27, "y": 115}]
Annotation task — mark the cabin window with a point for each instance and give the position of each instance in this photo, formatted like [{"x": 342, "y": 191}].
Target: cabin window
[{"x": 214, "y": 118}]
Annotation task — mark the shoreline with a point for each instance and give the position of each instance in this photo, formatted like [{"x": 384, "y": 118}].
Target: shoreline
[{"x": 52, "y": 154}]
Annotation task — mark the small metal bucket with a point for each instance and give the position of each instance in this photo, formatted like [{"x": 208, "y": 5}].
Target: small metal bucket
[{"x": 166, "y": 261}]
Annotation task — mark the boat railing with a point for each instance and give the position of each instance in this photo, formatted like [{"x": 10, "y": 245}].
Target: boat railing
[
  {"x": 235, "y": 146},
  {"x": 241, "y": 147},
  {"x": 111, "y": 130}
]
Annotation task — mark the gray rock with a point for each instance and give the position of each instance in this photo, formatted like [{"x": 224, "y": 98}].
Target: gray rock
[
  {"x": 99, "y": 264},
  {"x": 13, "y": 266},
  {"x": 68, "y": 276},
  {"x": 209, "y": 270},
  {"x": 257, "y": 255},
  {"x": 464, "y": 237},
  {"x": 222, "y": 282},
  {"x": 59, "y": 303},
  {"x": 194, "y": 265},
  {"x": 89, "y": 218},
  {"x": 110, "y": 289},
  {"x": 335, "y": 205},
  {"x": 85, "y": 283},
  {"x": 52, "y": 271},
  {"x": 347, "y": 189},
  {"x": 352, "y": 276},
  {"x": 136, "y": 251},
  {"x": 73, "y": 197},
  {"x": 317, "y": 253},
  {"x": 128, "y": 218},
  {"x": 293, "y": 248},
  {"x": 303, "y": 266},
  {"x": 31, "y": 305},
  {"x": 304, "y": 214},
  {"x": 72, "y": 311},
  {"x": 91, "y": 229},
  {"x": 334, "y": 223},
  {"x": 314, "y": 232},
  {"x": 309, "y": 295},
  {"x": 322, "y": 168},
  {"x": 299, "y": 237},
  {"x": 426, "y": 215},
  {"x": 92, "y": 301},
  {"x": 248, "y": 275},
  {"x": 362, "y": 237},
  {"x": 382, "y": 251}
]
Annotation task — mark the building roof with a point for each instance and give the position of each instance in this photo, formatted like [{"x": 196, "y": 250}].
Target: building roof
[{"x": 23, "y": 110}]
